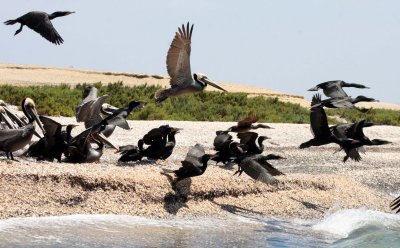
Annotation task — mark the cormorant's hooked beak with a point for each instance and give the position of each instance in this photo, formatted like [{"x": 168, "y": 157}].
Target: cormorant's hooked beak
[
  {"x": 213, "y": 84},
  {"x": 100, "y": 137},
  {"x": 69, "y": 12},
  {"x": 176, "y": 130},
  {"x": 314, "y": 88}
]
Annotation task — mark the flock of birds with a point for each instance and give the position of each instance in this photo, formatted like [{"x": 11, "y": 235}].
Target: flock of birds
[{"x": 101, "y": 119}]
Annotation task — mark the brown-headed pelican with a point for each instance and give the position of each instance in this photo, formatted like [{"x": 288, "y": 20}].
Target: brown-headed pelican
[
  {"x": 12, "y": 140},
  {"x": 41, "y": 23},
  {"x": 247, "y": 124},
  {"x": 195, "y": 163},
  {"x": 334, "y": 89},
  {"x": 178, "y": 66}
]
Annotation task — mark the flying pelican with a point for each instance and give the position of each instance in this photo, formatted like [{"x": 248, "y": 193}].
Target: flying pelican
[
  {"x": 395, "y": 204},
  {"x": 12, "y": 140},
  {"x": 249, "y": 139},
  {"x": 322, "y": 133},
  {"x": 195, "y": 164},
  {"x": 258, "y": 168},
  {"x": 247, "y": 124},
  {"x": 41, "y": 23},
  {"x": 178, "y": 67},
  {"x": 355, "y": 131},
  {"x": 345, "y": 102},
  {"x": 334, "y": 89},
  {"x": 55, "y": 142}
]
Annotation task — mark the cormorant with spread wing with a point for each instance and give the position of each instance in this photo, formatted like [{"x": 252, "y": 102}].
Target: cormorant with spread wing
[{"x": 40, "y": 22}]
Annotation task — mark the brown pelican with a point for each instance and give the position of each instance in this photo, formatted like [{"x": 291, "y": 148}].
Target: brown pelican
[
  {"x": 55, "y": 142},
  {"x": 345, "y": 102},
  {"x": 195, "y": 164},
  {"x": 247, "y": 124},
  {"x": 258, "y": 168},
  {"x": 334, "y": 89},
  {"x": 249, "y": 140},
  {"x": 41, "y": 23},
  {"x": 12, "y": 140},
  {"x": 355, "y": 131},
  {"x": 322, "y": 133},
  {"x": 395, "y": 204},
  {"x": 178, "y": 66}
]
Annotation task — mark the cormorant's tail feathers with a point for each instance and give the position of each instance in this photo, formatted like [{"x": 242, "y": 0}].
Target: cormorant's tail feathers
[{"x": 10, "y": 22}]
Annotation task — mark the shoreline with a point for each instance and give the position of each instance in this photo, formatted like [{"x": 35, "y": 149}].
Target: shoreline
[{"x": 316, "y": 180}]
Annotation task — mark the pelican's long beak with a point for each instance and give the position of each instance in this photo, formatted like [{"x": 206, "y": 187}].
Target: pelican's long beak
[
  {"x": 107, "y": 109},
  {"x": 35, "y": 116},
  {"x": 6, "y": 119},
  {"x": 213, "y": 84},
  {"x": 100, "y": 137}
]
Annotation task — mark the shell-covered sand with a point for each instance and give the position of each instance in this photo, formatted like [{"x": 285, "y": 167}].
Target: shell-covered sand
[
  {"x": 22, "y": 75},
  {"x": 316, "y": 180}
]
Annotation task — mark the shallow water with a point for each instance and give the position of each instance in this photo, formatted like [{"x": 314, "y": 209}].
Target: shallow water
[{"x": 344, "y": 228}]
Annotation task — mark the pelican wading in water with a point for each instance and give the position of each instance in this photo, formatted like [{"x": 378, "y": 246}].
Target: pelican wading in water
[
  {"x": 178, "y": 66},
  {"x": 41, "y": 23},
  {"x": 12, "y": 140}
]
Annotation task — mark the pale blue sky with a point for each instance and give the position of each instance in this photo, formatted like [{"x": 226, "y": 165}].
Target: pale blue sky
[{"x": 283, "y": 45}]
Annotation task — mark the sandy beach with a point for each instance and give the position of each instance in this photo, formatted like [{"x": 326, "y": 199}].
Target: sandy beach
[{"x": 315, "y": 183}]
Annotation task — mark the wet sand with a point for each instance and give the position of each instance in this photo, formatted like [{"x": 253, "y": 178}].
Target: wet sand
[{"x": 316, "y": 180}]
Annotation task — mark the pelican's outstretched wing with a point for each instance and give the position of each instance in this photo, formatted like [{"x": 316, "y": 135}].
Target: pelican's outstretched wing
[{"x": 178, "y": 58}]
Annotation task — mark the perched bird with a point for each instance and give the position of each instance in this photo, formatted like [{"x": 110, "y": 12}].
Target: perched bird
[
  {"x": 12, "y": 140},
  {"x": 41, "y": 23},
  {"x": 56, "y": 141},
  {"x": 161, "y": 143},
  {"x": 355, "y": 131},
  {"x": 178, "y": 66},
  {"x": 395, "y": 205},
  {"x": 334, "y": 89},
  {"x": 195, "y": 164},
  {"x": 322, "y": 133},
  {"x": 345, "y": 102},
  {"x": 81, "y": 148},
  {"x": 247, "y": 124},
  {"x": 249, "y": 139},
  {"x": 258, "y": 168}
]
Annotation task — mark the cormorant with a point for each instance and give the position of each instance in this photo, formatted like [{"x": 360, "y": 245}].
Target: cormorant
[
  {"x": 195, "y": 164},
  {"x": 258, "y": 168},
  {"x": 41, "y": 23},
  {"x": 334, "y": 89},
  {"x": 249, "y": 139},
  {"x": 178, "y": 66},
  {"x": 247, "y": 124}
]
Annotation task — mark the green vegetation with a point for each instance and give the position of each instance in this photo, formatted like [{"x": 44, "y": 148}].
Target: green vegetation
[{"x": 202, "y": 106}]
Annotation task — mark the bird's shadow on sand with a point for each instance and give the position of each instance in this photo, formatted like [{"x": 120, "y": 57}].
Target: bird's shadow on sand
[
  {"x": 174, "y": 201},
  {"x": 236, "y": 209},
  {"x": 310, "y": 205},
  {"x": 136, "y": 163}
]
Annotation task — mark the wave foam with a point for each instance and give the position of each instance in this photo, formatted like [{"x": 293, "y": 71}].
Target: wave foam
[{"x": 343, "y": 222}]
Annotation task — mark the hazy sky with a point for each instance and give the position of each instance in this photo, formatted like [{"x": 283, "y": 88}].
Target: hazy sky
[{"x": 283, "y": 45}]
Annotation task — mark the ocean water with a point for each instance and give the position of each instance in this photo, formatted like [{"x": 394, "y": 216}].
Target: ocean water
[{"x": 344, "y": 228}]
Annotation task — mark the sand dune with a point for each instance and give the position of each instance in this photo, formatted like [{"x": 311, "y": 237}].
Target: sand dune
[{"x": 40, "y": 75}]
